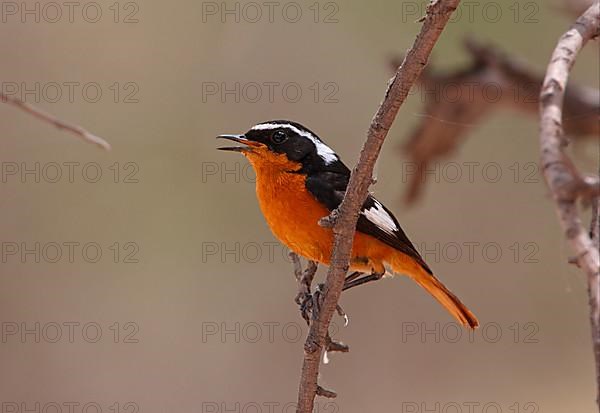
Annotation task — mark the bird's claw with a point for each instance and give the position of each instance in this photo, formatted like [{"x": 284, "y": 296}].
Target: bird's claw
[
  {"x": 306, "y": 304},
  {"x": 303, "y": 294},
  {"x": 310, "y": 304}
]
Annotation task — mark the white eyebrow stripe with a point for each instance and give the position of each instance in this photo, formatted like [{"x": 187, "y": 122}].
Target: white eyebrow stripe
[
  {"x": 324, "y": 151},
  {"x": 379, "y": 216}
]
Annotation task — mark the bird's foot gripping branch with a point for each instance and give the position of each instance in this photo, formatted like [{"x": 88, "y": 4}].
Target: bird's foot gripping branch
[{"x": 310, "y": 302}]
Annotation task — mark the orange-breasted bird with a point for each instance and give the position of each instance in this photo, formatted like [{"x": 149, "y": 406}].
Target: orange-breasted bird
[{"x": 299, "y": 180}]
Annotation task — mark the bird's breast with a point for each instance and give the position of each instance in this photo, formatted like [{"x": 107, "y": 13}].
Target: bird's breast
[{"x": 293, "y": 213}]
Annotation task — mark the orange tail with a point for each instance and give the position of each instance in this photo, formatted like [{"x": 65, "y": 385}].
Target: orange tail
[{"x": 403, "y": 264}]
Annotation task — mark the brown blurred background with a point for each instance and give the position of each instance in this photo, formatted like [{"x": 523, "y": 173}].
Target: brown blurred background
[{"x": 191, "y": 296}]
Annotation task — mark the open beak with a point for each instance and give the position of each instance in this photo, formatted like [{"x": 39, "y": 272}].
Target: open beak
[{"x": 239, "y": 139}]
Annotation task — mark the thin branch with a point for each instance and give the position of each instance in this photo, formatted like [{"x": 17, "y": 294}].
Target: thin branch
[
  {"x": 438, "y": 14},
  {"x": 46, "y": 117},
  {"x": 458, "y": 101},
  {"x": 565, "y": 182}
]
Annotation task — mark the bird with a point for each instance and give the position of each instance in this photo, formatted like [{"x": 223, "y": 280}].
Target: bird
[{"x": 300, "y": 179}]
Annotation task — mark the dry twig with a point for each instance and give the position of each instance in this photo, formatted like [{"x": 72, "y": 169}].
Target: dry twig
[
  {"x": 48, "y": 118},
  {"x": 458, "y": 101},
  {"x": 565, "y": 182},
  {"x": 438, "y": 13}
]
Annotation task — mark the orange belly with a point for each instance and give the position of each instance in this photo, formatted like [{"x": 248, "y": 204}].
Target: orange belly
[{"x": 293, "y": 214}]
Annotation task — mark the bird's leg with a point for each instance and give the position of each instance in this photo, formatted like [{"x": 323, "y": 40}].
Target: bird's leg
[
  {"x": 354, "y": 282},
  {"x": 305, "y": 282},
  {"x": 297, "y": 265},
  {"x": 353, "y": 276},
  {"x": 312, "y": 303},
  {"x": 305, "y": 278}
]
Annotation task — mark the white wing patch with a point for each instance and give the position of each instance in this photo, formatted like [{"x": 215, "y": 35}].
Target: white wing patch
[
  {"x": 378, "y": 216},
  {"x": 324, "y": 151}
]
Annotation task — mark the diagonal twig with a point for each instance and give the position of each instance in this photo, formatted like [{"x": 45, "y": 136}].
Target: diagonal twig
[{"x": 46, "y": 117}]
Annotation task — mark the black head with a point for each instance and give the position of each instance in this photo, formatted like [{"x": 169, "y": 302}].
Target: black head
[{"x": 297, "y": 142}]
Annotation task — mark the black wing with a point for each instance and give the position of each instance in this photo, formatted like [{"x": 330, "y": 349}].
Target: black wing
[{"x": 375, "y": 219}]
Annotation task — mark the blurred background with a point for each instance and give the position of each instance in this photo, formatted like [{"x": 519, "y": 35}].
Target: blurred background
[{"x": 145, "y": 279}]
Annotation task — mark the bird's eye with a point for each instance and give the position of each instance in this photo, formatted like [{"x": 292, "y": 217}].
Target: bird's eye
[{"x": 279, "y": 137}]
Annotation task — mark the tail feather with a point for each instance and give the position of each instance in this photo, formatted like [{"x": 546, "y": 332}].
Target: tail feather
[
  {"x": 439, "y": 291},
  {"x": 448, "y": 300}
]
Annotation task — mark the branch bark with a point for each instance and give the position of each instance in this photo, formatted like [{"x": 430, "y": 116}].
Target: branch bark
[
  {"x": 438, "y": 14},
  {"x": 48, "y": 118},
  {"x": 566, "y": 184}
]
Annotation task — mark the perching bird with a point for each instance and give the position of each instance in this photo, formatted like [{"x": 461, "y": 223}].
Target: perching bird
[{"x": 299, "y": 180}]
